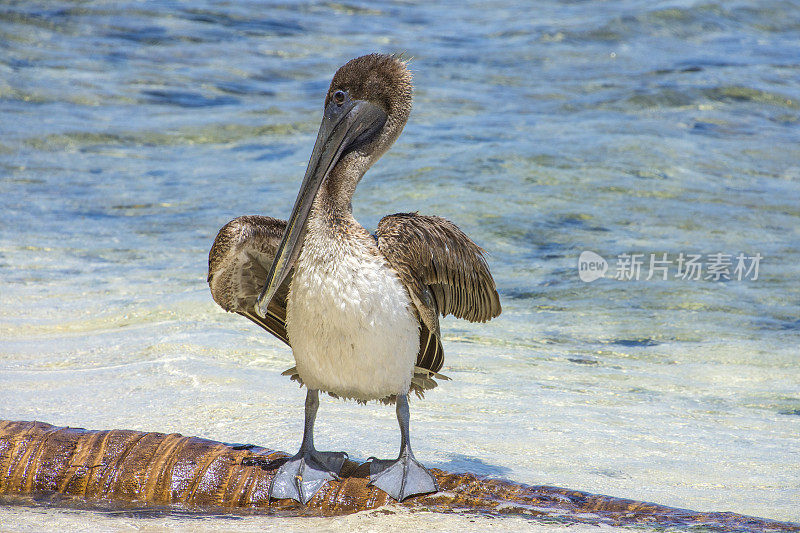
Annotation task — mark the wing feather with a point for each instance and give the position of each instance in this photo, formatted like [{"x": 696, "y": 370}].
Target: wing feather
[
  {"x": 238, "y": 264},
  {"x": 444, "y": 271}
]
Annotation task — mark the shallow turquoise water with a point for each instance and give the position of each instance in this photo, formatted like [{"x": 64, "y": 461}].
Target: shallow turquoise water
[{"x": 131, "y": 132}]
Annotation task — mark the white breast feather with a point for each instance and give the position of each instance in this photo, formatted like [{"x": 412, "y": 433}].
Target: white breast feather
[{"x": 349, "y": 322}]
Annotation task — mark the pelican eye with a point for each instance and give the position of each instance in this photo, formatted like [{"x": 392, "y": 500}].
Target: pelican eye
[{"x": 339, "y": 97}]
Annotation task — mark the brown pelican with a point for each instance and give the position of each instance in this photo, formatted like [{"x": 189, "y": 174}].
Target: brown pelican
[{"x": 360, "y": 312}]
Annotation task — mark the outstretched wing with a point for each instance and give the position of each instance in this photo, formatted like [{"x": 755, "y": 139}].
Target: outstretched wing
[
  {"x": 238, "y": 264},
  {"x": 444, "y": 272}
]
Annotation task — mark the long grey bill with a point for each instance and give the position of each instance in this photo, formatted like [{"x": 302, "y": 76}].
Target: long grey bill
[{"x": 342, "y": 125}]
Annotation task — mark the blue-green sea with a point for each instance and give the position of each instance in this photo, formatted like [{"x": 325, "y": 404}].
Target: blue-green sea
[{"x": 131, "y": 131}]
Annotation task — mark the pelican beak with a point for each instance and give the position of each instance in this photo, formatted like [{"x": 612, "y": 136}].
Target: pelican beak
[{"x": 343, "y": 127}]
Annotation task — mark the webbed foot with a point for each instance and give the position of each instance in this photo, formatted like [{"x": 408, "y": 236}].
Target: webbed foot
[
  {"x": 301, "y": 476},
  {"x": 402, "y": 477}
]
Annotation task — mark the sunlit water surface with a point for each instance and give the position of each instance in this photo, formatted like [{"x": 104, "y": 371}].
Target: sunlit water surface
[{"x": 131, "y": 132}]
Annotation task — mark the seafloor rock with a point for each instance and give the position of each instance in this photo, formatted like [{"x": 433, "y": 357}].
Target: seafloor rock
[{"x": 40, "y": 462}]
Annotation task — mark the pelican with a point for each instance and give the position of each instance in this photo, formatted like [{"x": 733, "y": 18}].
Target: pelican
[{"x": 360, "y": 312}]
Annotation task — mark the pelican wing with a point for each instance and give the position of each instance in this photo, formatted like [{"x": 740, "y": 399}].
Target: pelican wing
[
  {"x": 444, "y": 271},
  {"x": 238, "y": 264}
]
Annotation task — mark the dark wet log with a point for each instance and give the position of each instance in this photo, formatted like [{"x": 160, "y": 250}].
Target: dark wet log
[{"x": 154, "y": 469}]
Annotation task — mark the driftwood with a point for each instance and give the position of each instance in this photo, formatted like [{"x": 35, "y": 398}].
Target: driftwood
[{"x": 154, "y": 470}]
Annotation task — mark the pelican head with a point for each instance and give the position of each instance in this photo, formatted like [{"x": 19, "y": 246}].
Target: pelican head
[{"x": 366, "y": 108}]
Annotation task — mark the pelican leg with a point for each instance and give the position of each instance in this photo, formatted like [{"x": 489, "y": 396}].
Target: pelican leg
[
  {"x": 404, "y": 476},
  {"x": 301, "y": 476}
]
